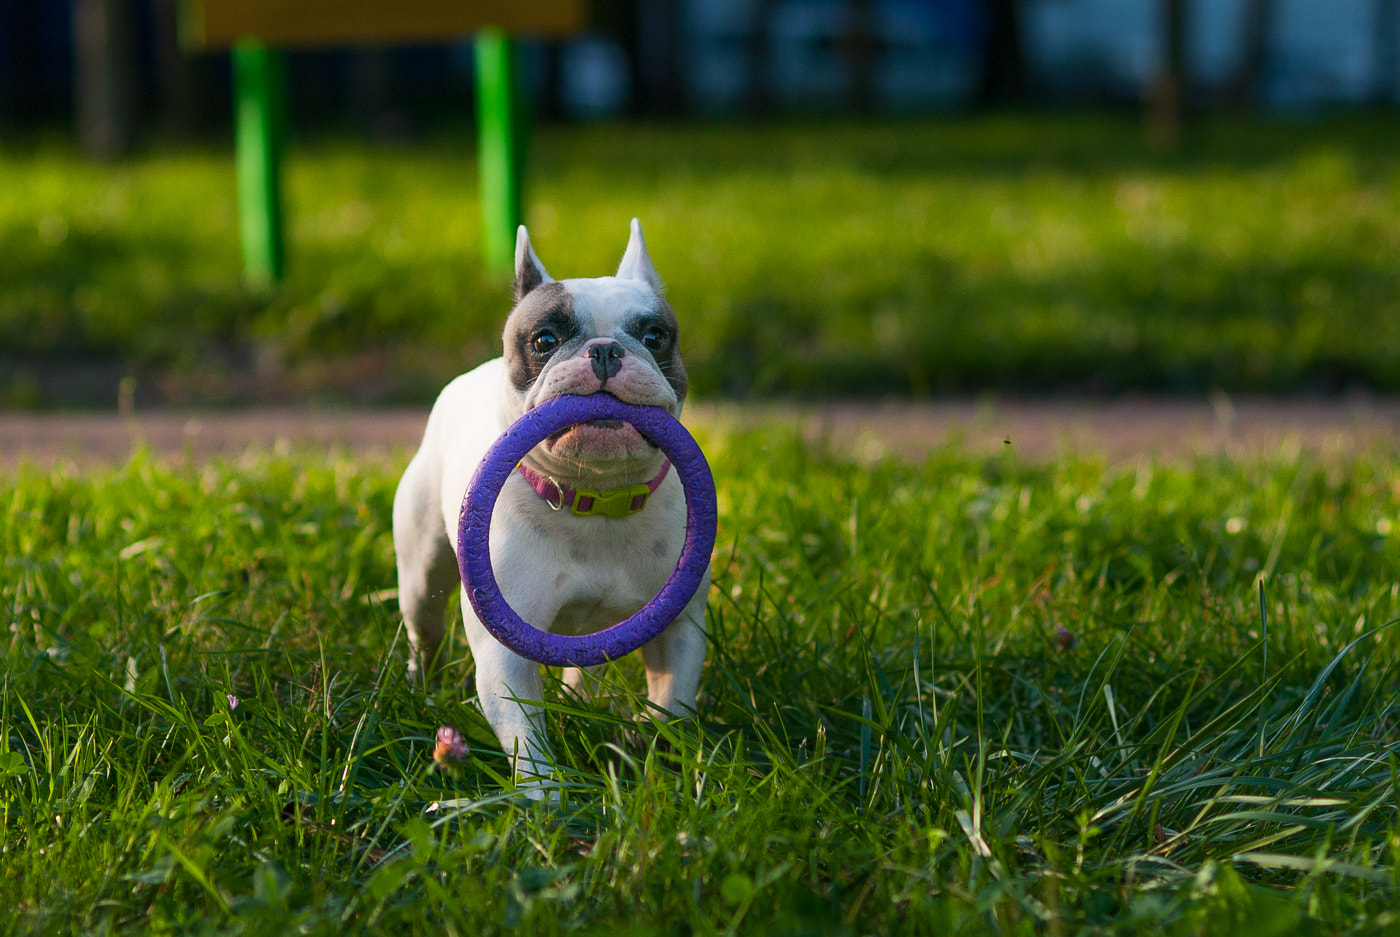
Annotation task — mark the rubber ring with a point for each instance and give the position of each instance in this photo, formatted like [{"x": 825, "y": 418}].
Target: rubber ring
[{"x": 474, "y": 524}]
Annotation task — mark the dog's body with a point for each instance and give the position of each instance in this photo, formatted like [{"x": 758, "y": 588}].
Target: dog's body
[{"x": 560, "y": 571}]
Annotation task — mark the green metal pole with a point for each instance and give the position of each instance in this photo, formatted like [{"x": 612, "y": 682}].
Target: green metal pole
[
  {"x": 260, "y": 91},
  {"x": 500, "y": 138}
]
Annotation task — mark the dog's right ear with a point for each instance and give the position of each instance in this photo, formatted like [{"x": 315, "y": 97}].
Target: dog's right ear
[{"x": 529, "y": 272}]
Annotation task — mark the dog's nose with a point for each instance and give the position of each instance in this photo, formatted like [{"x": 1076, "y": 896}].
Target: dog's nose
[{"x": 606, "y": 359}]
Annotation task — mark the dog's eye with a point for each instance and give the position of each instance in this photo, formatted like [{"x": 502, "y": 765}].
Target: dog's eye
[
  {"x": 544, "y": 342},
  {"x": 656, "y": 338}
]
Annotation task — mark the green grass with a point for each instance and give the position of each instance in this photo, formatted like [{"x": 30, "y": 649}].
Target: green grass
[
  {"x": 891, "y": 738},
  {"x": 959, "y": 255}
]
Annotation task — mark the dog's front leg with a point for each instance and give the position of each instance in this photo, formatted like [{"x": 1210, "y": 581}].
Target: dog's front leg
[
  {"x": 503, "y": 680},
  {"x": 673, "y": 658}
]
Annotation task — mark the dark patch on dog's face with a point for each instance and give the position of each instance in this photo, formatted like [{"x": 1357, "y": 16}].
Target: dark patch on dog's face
[
  {"x": 659, "y": 333},
  {"x": 540, "y": 327}
]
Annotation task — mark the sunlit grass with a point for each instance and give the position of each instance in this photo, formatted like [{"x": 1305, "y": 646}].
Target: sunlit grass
[
  {"x": 1011, "y": 253},
  {"x": 969, "y": 696}
]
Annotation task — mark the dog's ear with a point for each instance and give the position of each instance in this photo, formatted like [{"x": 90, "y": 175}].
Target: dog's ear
[
  {"x": 636, "y": 265},
  {"x": 529, "y": 272}
]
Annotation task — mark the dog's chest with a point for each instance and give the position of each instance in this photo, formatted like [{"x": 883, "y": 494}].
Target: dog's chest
[
  {"x": 581, "y": 574},
  {"x": 611, "y": 583}
]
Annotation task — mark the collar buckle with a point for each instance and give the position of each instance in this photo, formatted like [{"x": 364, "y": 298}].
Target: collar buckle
[{"x": 615, "y": 502}]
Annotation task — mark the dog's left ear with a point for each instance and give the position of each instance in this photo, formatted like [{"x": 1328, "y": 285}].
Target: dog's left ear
[
  {"x": 636, "y": 265},
  {"x": 529, "y": 272}
]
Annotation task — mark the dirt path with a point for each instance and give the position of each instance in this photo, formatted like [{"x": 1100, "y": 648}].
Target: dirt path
[{"x": 1119, "y": 431}]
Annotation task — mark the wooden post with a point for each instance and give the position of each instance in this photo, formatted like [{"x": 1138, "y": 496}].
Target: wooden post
[
  {"x": 499, "y": 156},
  {"x": 260, "y": 115}
]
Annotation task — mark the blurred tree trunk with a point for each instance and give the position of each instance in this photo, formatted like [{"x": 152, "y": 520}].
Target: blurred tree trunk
[
  {"x": 1387, "y": 55},
  {"x": 372, "y": 93},
  {"x": 1165, "y": 100},
  {"x": 1004, "y": 72},
  {"x": 104, "y": 80},
  {"x": 860, "y": 52},
  {"x": 760, "y": 96},
  {"x": 546, "y": 97},
  {"x": 658, "y": 57},
  {"x": 1254, "y": 56},
  {"x": 174, "y": 72},
  {"x": 618, "y": 20}
]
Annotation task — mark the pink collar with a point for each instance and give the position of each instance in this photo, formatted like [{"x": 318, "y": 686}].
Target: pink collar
[{"x": 588, "y": 502}]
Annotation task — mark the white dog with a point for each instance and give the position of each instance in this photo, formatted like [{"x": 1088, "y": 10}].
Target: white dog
[{"x": 566, "y": 561}]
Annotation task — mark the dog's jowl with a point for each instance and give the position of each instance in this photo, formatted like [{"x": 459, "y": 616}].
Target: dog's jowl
[{"x": 563, "y": 568}]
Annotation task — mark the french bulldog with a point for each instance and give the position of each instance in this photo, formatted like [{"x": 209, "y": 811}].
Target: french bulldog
[{"x": 589, "y": 526}]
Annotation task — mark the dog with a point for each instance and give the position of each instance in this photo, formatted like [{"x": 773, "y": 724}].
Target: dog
[{"x": 566, "y": 562}]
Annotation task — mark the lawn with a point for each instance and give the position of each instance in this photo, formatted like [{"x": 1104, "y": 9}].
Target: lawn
[
  {"x": 959, "y": 255},
  {"x": 960, "y": 697}
]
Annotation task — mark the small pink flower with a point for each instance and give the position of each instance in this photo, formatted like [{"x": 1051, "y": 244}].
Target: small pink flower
[
  {"x": 232, "y": 702},
  {"x": 449, "y": 747},
  {"x": 1065, "y": 638}
]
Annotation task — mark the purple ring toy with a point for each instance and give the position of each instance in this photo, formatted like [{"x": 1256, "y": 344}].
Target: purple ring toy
[{"x": 474, "y": 524}]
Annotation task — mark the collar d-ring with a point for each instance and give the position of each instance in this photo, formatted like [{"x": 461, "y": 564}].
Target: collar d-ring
[{"x": 559, "y": 494}]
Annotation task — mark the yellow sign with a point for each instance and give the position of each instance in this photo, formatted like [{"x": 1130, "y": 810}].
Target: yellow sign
[{"x": 218, "y": 24}]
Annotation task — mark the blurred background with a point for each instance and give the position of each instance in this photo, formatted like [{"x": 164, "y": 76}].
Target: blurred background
[
  {"x": 67, "y": 59},
  {"x": 846, "y": 197}
]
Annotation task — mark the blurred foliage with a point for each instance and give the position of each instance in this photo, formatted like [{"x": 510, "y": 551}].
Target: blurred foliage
[{"x": 988, "y": 253}]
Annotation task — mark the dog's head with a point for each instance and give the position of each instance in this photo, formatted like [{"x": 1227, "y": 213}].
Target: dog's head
[{"x": 612, "y": 334}]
